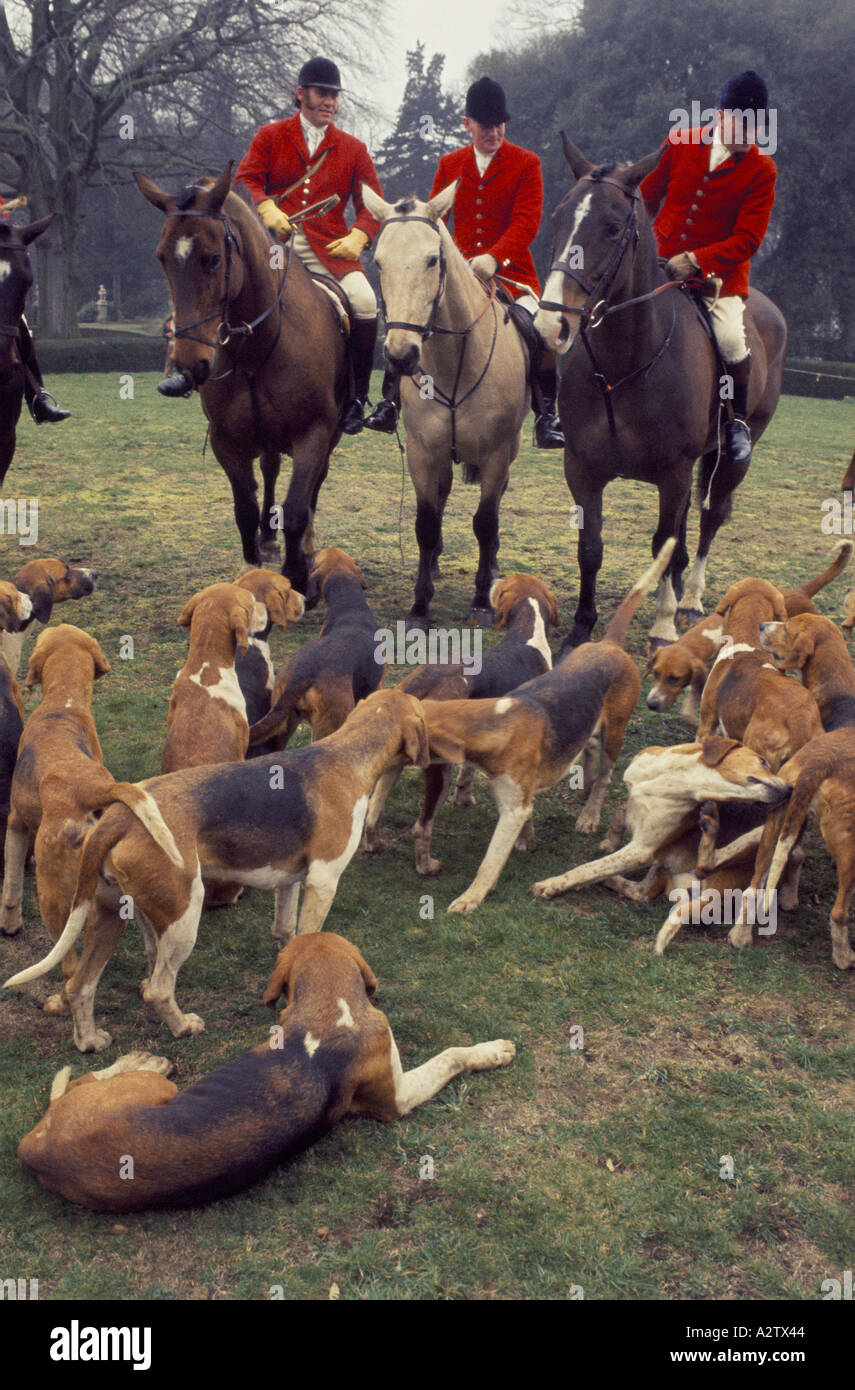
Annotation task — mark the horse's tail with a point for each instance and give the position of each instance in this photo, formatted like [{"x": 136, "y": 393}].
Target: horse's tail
[
  {"x": 842, "y": 555},
  {"x": 619, "y": 625},
  {"x": 849, "y": 476}
]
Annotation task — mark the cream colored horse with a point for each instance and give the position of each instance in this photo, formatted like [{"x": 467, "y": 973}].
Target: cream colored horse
[{"x": 464, "y": 387}]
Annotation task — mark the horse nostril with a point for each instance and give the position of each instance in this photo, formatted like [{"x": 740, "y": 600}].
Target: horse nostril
[{"x": 563, "y": 329}]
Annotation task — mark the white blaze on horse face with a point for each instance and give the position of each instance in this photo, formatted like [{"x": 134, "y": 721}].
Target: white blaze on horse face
[
  {"x": 5, "y": 271},
  {"x": 548, "y": 321},
  {"x": 183, "y": 247}
]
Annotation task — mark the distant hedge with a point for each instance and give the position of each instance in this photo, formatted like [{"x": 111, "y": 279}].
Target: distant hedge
[
  {"x": 803, "y": 377},
  {"x": 110, "y": 352}
]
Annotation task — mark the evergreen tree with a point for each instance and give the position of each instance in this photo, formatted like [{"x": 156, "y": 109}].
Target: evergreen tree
[{"x": 428, "y": 124}]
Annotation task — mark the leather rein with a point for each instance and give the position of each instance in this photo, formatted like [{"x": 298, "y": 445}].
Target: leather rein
[
  {"x": 596, "y": 307},
  {"x": 451, "y": 402}
]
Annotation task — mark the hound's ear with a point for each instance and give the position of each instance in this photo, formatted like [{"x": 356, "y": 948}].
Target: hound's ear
[
  {"x": 34, "y": 670},
  {"x": 780, "y": 607},
  {"x": 416, "y": 745},
  {"x": 240, "y": 619},
  {"x": 277, "y": 606},
  {"x": 367, "y": 973},
  {"x": 441, "y": 203},
  {"x": 637, "y": 172},
  {"x": 575, "y": 158},
  {"x": 800, "y": 651},
  {"x": 185, "y": 617},
  {"x": 699, "y": 674},
  {"x": 295, "y": 606},
  {"x": 150, "y": 191},
  {"x": 554, "y": 615},
  {"x": 42, "y": 598},
  {"x": 102, "y": 665},
  {"x": 716, "y": 748},
  {"x": 499, "y": 604},
  {"x": 278, "y": 982}
]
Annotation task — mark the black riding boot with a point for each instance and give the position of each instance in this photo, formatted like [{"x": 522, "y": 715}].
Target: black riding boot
[
  {"x": 384, "y": 416},
  {"x": 42, "y": 405},
  {"x": 737, "y": 435},
  {"x": 363, "y": 336},
  {"x": 544, "y": 390}
]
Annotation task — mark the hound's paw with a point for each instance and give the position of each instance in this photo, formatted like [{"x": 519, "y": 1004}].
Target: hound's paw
[
  {"x": 499, "y": 1053},
  {"x": 95, "y": 1042},
  {"x": 190, "y": 1025},
  {"x": 11, "y": 922},
  {"x": 587, "y": 822},
  {"x": 547, "y": 888},
  {"x": 428, "y": 867},
  {"x": 464, "y": 798},
  {"x": 55, "y": 1004},
  {"x": 740, "y": 936},
  {"x": 465, "y": 904},
  {"x": 844, "y": 959}
]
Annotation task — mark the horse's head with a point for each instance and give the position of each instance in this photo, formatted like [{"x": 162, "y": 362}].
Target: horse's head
[
  {"x": 410, "y": 255},
  {"x": 198, "y": 252},
  {"x": 16, "y": 277},
  {"x": 596, "y": 234}
]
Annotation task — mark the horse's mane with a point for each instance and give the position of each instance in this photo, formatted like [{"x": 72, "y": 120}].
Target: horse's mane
[{"x": 602, "y": 170}]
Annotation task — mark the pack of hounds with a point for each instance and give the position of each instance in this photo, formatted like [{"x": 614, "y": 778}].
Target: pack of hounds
[{"x": 234, "y": 808}]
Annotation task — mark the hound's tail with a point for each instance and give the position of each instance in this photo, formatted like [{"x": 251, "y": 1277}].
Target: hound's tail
[
  {"x": 842, "y": 555},
  {"x": 619, "y": 625},
  {"x": 104, "y": 837},
  {"x": 283, "y": 711}
]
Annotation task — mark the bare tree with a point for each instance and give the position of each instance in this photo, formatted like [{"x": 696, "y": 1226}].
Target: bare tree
[{"x": 82, "y": 78}]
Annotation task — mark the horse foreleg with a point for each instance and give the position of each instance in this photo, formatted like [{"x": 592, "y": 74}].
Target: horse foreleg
[
  {"x": 717, "y": 483},
  {"x": 310, "y": 464},
  {"x": 485, "y": 524},
  {"x": 271, "y": 462},
  {"x": 239, "y": 471},
  {"x": 432, "y": 485},
  {"x": 588, "y": 520},
  {"x": 673, "y": 506}
]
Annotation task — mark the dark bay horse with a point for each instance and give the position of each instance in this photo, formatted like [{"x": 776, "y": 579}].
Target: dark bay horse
[
  {"x": 263, "y": 345},
  {"x": 655, "y": 410},
  {"x": 464, "y": 387},
  {"x": 16, "y": 277}
]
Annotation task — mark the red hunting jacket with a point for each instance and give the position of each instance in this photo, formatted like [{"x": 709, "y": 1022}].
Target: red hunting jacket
[
  {"x": 278, "y": 155},
  {"x": 722, "y": 217},
  {"x": 498, "y": 213}
]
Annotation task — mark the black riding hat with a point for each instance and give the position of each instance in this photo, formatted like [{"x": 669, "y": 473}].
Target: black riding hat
[
  {"x": 485, "y": 102},
  {"x": 319, "y": 72},
  {"x": 745, "y": 92}
]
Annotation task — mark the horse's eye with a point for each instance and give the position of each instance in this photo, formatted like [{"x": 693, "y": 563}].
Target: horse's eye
[
  {"x": 432, "y": 261},
  {"x": 613, "y": 229},
  {"x": 213, "y": 261}
]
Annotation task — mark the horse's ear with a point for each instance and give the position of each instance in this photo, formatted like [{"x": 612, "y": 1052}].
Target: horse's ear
[
  {"x": 28, "y": 234},
  {"x": 575, "y": 158},
  {"x": 642, "y": 167},
  {"x": 377, "y": 206},
  {"x": 150, "y": 191},
  {"x": 216, "y": 196},
  {"x": 440, "y": 205}
]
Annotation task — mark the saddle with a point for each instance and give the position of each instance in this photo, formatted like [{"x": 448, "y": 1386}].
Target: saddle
[{"x": 338, "y": 297}]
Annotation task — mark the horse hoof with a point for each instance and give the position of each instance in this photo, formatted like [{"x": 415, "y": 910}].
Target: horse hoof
[
  {"x": 480, "y": 617},
  {"x": 687, "y": 617},
  {"x": 413, "y": 623},
  {"x": 654, "y": 644},
  {"x": 270, "y": 550}
]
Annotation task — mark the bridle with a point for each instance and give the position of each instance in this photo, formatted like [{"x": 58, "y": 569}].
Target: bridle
[
  {"x": 451, "y": 402},
  {"x": 596, "y": 307}
]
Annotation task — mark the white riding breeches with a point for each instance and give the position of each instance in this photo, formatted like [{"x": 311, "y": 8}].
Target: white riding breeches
[
  {"x": 354, "y": 283},
  {"x": 728, "y": 316}
]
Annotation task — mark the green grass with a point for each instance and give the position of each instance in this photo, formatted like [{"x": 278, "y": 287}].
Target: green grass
[{"x": 596, "y": 1167}]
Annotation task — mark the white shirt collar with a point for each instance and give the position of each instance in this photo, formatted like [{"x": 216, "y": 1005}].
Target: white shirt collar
[
  {"x": 313, "y": 135},
  {"x": 482, "y": 160},
  {"x": 718, "y": 151}
]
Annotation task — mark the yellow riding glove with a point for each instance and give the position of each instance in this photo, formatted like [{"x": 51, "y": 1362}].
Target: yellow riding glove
[
  {"x": 484, "y": 265},
  {"x": 349, "y": 247},
  {"x": 274, "y": 218}
]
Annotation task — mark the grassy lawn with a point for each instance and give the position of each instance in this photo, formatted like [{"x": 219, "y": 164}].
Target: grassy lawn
[{"x": 596, "y": 1166}]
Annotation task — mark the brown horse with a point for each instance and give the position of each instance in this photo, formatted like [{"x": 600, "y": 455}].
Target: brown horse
[
  {"x": 653, "y": 408},
  {"x": 262, "y": 344},
  {"x": 16, "y": 277}
]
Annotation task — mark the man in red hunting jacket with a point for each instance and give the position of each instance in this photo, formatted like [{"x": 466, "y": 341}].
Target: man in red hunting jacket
[
  {"x": 309, "y": 150},
  {"x": 718, "y": 192},
  {"x": 497, "y": 210}
]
